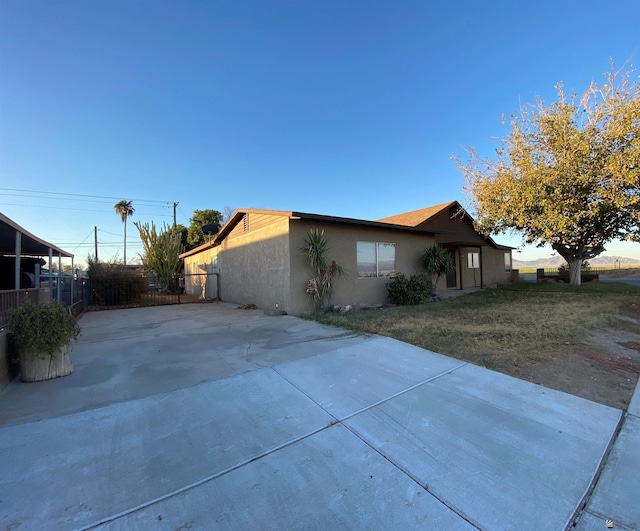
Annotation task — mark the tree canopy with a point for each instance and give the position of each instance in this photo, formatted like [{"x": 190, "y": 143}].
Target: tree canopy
[
  {"x": 195, "y": 236},
  {"x": 181, "y": 232},
  {"x": 567, "y": 174}
]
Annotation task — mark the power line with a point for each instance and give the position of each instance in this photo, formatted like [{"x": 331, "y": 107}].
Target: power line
[
  {"x": 10, "y": 194},
  {"x": 85, "y": 195},
  {"x": 107, "y": 232},
  {"x": 86, "y": 209},
  {"x": 88, "y": 236},
  {"x": 183, "y": 214}
]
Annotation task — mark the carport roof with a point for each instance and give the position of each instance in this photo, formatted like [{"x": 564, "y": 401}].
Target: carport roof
[{"x": 31, "y": 245}]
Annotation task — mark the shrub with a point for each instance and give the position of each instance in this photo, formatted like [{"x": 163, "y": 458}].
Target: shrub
[
  {"x": 407, "y": 291},
  {"x": 41, "y": 327},
  {"x": 114, "y": 284}
]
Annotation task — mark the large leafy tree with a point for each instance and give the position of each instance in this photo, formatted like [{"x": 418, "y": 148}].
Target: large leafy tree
[
  {"x": 125, "y": 210},
  {"x": 161, "y": 253},
  {"x": 567, "y": 174},
  {"x": 181, "y": 232},
  {"x": 195, "y": 235}
]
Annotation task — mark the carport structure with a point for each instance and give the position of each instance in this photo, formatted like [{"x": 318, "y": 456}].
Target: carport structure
[
  {"x": 21, "y": 255},
  {"x": 17, "y": 242}
]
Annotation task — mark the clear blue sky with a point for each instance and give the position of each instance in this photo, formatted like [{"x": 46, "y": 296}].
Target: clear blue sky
[{"x": 347, "y": 108}]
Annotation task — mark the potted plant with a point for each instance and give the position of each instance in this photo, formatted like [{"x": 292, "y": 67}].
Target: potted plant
[{"x": 41, "y": 335}]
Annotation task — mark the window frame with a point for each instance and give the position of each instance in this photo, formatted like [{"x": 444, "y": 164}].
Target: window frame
[
  {"x": 376, "y": 245},
  {"x": 508, "y": 267},
  {"x": 473, "y": 260}
]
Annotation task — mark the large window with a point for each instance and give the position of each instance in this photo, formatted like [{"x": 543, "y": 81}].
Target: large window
[{"x": 376, "y": 259}]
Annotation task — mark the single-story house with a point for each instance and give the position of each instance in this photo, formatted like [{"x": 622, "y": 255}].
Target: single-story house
[{"x": 255, "y": 258}]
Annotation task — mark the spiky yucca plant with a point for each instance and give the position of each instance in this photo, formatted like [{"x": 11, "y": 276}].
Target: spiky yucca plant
[
  {"x": 437, "y": 261},
  {"x": 321, "y": 285}
]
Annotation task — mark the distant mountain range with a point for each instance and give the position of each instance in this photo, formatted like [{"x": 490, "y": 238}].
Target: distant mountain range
[{"x": 557, "y": 261}]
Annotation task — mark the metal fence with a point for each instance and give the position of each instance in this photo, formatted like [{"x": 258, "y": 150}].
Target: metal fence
[
  {"x": 84, "y": 294},
  {"x": 130, "y": 292},
  {"x": 594, "y": 270},
  {"x": 12, "y": 298},
  {"x": 558, "y": 275}
]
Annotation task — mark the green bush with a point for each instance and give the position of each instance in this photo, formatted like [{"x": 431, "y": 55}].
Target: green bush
[
  {"x": 407, "y": 291},
  {"x": 41, "y": 327}
]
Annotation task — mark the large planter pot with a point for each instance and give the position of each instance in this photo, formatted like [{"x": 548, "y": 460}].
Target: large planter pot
[{"x": 38, "y": 366}]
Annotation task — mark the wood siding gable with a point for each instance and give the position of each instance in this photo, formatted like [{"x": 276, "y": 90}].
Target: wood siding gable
[
  {"x": 457, "y": 230},
  {"x": 253, "y": 221}
]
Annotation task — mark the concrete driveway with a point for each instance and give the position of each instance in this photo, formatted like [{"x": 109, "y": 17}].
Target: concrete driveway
[{"x": 204, "y": 416}]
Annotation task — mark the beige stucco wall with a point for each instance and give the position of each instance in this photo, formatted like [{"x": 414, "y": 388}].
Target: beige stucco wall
[
  {"x": 253, "y": 265},
  {"x": 199, "y": 278},
  {"x": 342, "y": 241},
  {"x": 264, "y": 265},
  {"x": 494, "y": 270}
]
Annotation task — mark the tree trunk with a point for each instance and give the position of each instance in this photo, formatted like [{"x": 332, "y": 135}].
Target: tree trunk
[
  {"x": 434, "y": 288},
  {"x": 125, "y": 242},
  {"x": 39, "y": 366},
  {"x": 575, "y": 272}
]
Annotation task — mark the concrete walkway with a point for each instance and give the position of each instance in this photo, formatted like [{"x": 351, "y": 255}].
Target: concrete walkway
[
  {"x": 617, "y": 493},
  {"x": 209, "y": 417}
]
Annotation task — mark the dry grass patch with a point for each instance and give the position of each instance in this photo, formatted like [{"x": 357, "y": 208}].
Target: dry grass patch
[{"x": 504, "y": 329}]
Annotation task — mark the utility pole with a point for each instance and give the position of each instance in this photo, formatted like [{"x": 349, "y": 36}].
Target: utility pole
[
  {"x": 175, "y": 204},
  {"x": 95, "y": 239}
]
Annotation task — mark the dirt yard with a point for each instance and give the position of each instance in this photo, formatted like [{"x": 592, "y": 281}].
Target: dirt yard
[
  {"x": 573, "y": 339},
  {"x": 604, "y": 368}
]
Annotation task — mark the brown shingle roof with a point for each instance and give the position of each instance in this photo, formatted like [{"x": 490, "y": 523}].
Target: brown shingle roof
[{"x": 415, "y": 217}]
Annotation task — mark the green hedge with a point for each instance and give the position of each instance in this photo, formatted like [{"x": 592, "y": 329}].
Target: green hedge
[{"x": 407, "y": 291}]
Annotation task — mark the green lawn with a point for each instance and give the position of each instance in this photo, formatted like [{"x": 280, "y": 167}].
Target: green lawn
[{"x": 503, "y": 329}]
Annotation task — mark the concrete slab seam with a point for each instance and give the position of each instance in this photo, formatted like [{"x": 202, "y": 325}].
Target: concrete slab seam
[
  {"x": 375, "y": 404},
  {"x": 605, "y": 518},
  {"x": 597, "y": 473},
  {"x": 400, "y": 393},
  {"x": 201, "y": 481},
  {"x": 382, "y": 454},
  {"x": 415, "y": 480}
]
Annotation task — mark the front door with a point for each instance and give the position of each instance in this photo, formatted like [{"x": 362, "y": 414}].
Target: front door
[{"x": 451, "y": 275}]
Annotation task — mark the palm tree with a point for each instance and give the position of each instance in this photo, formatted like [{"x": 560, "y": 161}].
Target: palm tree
[{"x": 125, "y": 210}]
